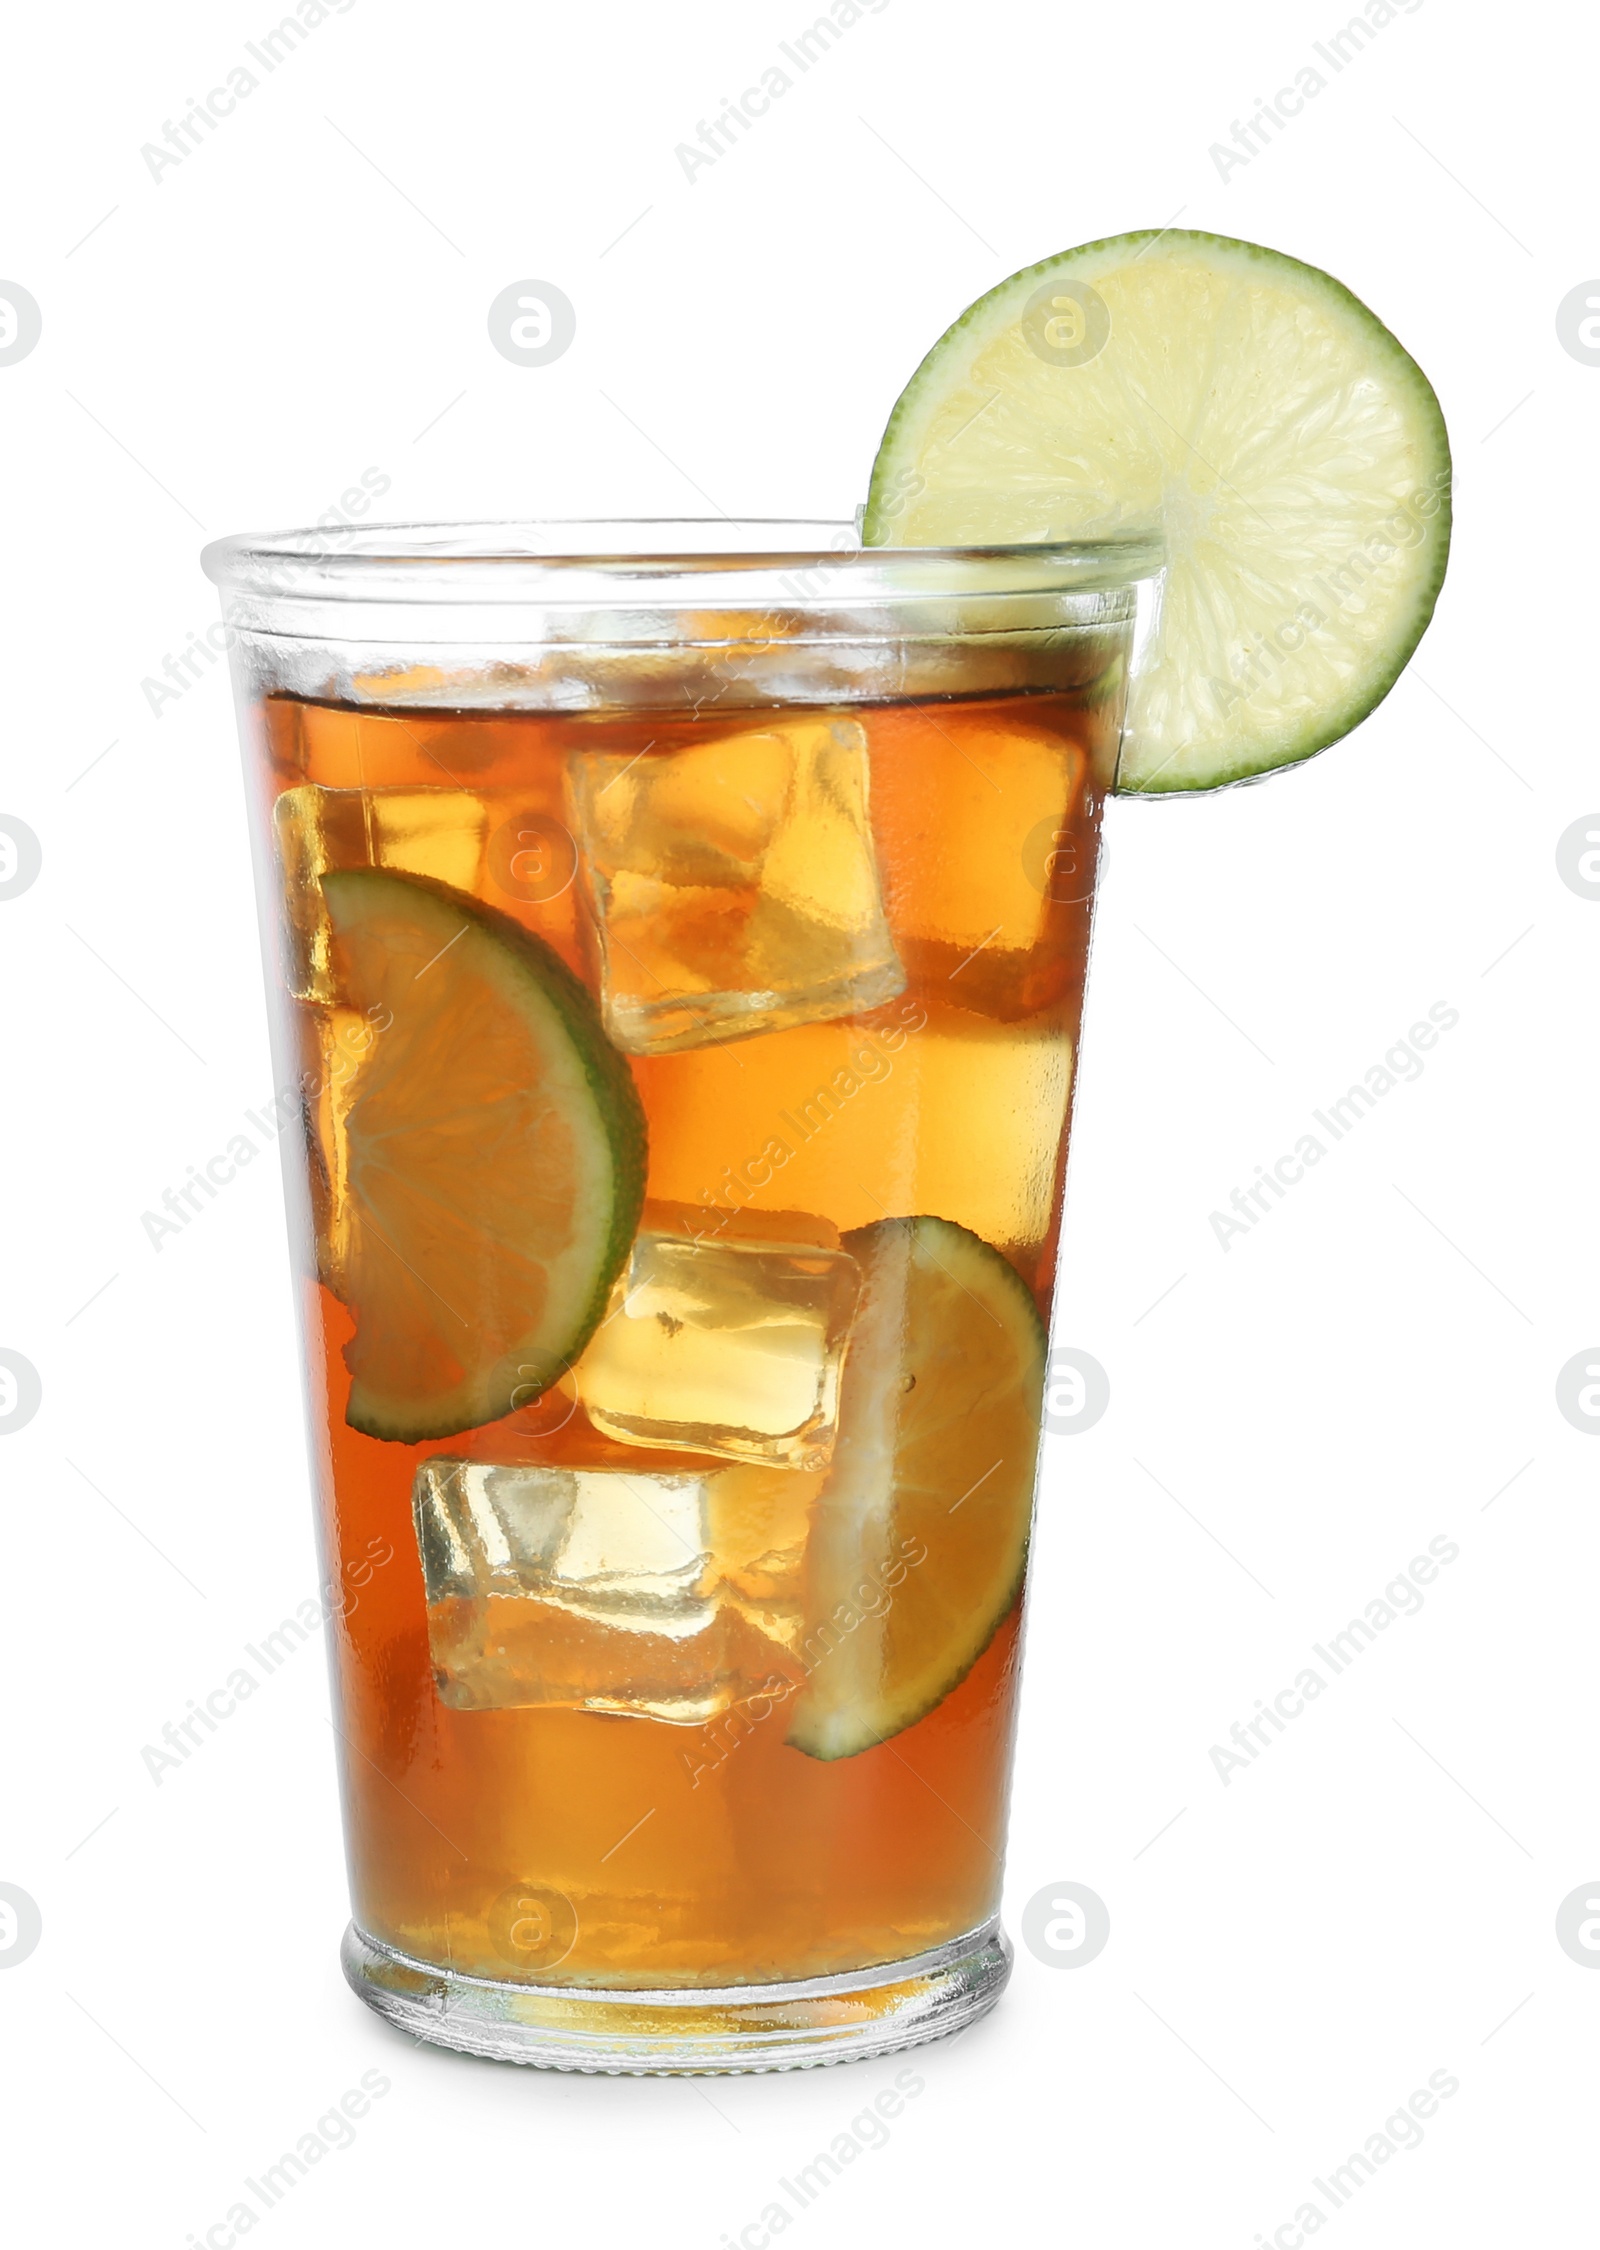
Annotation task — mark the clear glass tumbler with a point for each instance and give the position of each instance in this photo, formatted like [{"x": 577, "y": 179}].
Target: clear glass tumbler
[{"x": 675, "y": 937}]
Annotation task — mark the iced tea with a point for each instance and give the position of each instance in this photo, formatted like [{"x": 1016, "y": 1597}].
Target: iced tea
[
  {"x": 682, "y": 1032},
  {"x": 693, "y": 1843}
]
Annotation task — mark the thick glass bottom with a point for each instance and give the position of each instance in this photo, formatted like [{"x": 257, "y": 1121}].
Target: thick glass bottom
[{"x": 748, "y": 2027}]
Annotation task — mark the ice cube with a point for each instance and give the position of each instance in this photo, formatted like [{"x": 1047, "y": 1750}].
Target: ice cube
[
  {"x": 335, "y": 1043},
  {"x": 661, "y": 1596},
  {"x": 436, "y": 832},
  {"x": 759, "y": 1521},
  {"x": 988, "y": 816},
  {"x": 729, "y": 1348},
  {"x": 734, "y": 883}
]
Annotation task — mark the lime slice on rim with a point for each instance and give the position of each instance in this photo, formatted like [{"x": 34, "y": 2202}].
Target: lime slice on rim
[
  {"x": 917, "y": 1541},
  {"x": 1248, "y": 407},
  {"x": 492, "y": 1167}
]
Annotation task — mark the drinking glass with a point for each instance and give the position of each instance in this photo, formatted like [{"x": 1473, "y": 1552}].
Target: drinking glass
[{"x": 675, "y": 939}]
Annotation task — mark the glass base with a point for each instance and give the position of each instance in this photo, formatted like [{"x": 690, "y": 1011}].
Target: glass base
[{"x": 746, "y": 2027}]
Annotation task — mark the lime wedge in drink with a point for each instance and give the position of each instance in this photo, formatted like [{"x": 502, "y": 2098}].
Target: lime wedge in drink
[
  {"x": 917, "y": 1541},
  {"x": 491, "y": 1168},
  {"x": 1247, "y": 407}
]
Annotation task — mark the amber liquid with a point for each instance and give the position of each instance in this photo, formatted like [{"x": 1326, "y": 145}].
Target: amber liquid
[{"x": 573, "y": 1846}]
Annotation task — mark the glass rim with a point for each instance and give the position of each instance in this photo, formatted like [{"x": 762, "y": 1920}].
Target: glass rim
[{"x": 584, "y": 562}]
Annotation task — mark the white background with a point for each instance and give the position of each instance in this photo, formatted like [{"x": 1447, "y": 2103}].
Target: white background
[{"x": 1291, "y": 1420}]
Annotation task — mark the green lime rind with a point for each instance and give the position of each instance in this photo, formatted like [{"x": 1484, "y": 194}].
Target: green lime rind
[
  {"x": 1380, "y": 381},
  {"x": 586, "y": 1075}
]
